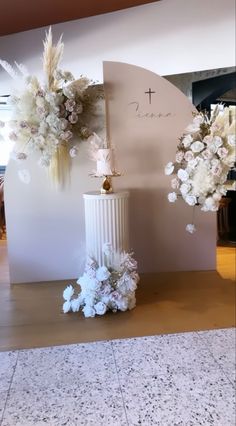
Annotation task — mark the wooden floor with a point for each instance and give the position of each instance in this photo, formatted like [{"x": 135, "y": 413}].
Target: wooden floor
[{"x": 31, "y": 316}]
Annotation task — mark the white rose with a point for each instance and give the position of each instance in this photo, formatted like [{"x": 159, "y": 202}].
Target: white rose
[
  {"x": 63, "y": 124},
  {"x": 169, "y": 168},
  {"x": 213, "y": 148},
  {"x": 122, "y": 303},
  {"x": 192, "y": 163},
  {"x": 185, "y": 188},
  {"x": 192, "y": 128},
  {"x": 53, "y": 121},
  {"x": 191, "y": 200},
  {"x": 187, "y": 140},
  {"x": 190, "y": 228},
  {"x": 182, "y": 175},
  {"x": 89, "y": 311},
  {"x": 102, "y": 273},
  {"x": 69, "y": 91},
  {"x": 100, "y": 308},
  {"x": 210, "y": 205},
  {"x": 172, "y": 197},
  {"x": 188, "y": 156},
  {"x": 197, "y": 146},
  {"x": 222, "y": 152}
]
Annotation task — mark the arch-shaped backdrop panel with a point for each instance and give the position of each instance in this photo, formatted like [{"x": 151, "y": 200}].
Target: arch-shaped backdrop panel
[{"x": 46, "y": 232}]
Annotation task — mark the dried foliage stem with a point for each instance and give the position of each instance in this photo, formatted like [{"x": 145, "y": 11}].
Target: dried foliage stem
[{"x": 51, "y": 58}]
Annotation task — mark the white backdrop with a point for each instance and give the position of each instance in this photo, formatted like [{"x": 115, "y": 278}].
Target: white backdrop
[{"x": 46, "y": 231}]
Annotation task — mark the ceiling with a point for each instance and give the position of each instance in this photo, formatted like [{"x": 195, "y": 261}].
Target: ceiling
[{"x": 23, "y": 15}]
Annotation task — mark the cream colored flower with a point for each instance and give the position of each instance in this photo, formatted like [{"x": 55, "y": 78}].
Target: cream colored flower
[
  {"x": 169, "y": 168},
  {"x": 172, "y": 197},
  {"x": 197, "y": 146},
  {"x": 183, "y": 175},
  {"x": 191, "y": 200},
  {"x": 190, "y": 228},
  {"x": 185, "y": 188},
  {"x": 187, "y": 140}
]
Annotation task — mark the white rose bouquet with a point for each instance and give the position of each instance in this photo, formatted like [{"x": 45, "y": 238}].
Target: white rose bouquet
[
  {"x": 104, "y": 288},
  {"x": 204, "y": 156}
]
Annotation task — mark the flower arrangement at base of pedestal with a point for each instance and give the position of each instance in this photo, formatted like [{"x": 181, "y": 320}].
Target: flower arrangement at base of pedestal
[
  {"x": 46, "y": 117},
  {"x": 204, "y": 156},
  {"x": 104, "y": 288}
]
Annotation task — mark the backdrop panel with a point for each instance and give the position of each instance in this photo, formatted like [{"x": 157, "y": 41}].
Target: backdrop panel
[{"x": 46, "y": 230}]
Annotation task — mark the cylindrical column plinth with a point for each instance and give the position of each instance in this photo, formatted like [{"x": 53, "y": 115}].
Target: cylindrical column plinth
[{"x": 106, "y": 221}]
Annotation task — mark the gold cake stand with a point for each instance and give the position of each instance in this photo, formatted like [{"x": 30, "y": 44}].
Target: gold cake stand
[{"x": 106, "y": 187}]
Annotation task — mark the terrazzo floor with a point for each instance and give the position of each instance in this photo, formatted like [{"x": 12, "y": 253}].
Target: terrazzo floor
[{"x": 179, "y": 379}]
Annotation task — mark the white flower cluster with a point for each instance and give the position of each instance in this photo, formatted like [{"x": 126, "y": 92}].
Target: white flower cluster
[
  {"x": 44, "y": 119},
  {"x": 205, "y": 154},
  {"x": 47, "y": 116},
  {"x": 104, "y": 288}
]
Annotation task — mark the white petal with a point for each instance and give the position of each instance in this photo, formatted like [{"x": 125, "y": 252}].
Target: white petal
[{"x": 66, "y": 307}]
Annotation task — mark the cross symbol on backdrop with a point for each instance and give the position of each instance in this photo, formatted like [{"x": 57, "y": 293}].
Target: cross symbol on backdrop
[{"x": 149, "y": 92}]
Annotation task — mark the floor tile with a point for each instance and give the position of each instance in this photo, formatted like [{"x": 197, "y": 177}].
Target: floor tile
[
  {"x": 221, "y": 344},
  {"x": 90, "y": 404},
  {"x": 3, "y": 398},
  {"x": 223, "y": 338},
  {"x": 65, "y": 364},
  {"x": 162, "y": 355},
  {"x": 7, "y": 364},
  {"x": 179, "y": 399}
]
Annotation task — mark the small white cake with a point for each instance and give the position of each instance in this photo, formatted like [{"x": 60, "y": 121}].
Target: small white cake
[{"x": 105, "y": 162}]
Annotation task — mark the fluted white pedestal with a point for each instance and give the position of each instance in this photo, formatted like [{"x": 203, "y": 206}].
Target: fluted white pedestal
[{"x": 106, "y": 221}]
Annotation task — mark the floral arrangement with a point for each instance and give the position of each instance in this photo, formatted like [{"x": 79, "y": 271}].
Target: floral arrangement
[
  {"x": 104, "y": 288},
  {"x": 204, "y": 156},
  {"x": 46, "y": 117}
]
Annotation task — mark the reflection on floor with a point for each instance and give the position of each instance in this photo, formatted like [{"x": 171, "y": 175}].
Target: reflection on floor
[{"x": 179, "y": 379}]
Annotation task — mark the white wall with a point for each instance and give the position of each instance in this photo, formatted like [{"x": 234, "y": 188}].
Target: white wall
[{"x": 166, "y": 37}]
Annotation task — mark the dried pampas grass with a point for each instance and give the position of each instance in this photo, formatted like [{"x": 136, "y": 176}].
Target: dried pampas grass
[{"x": 51, "y": 57}]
